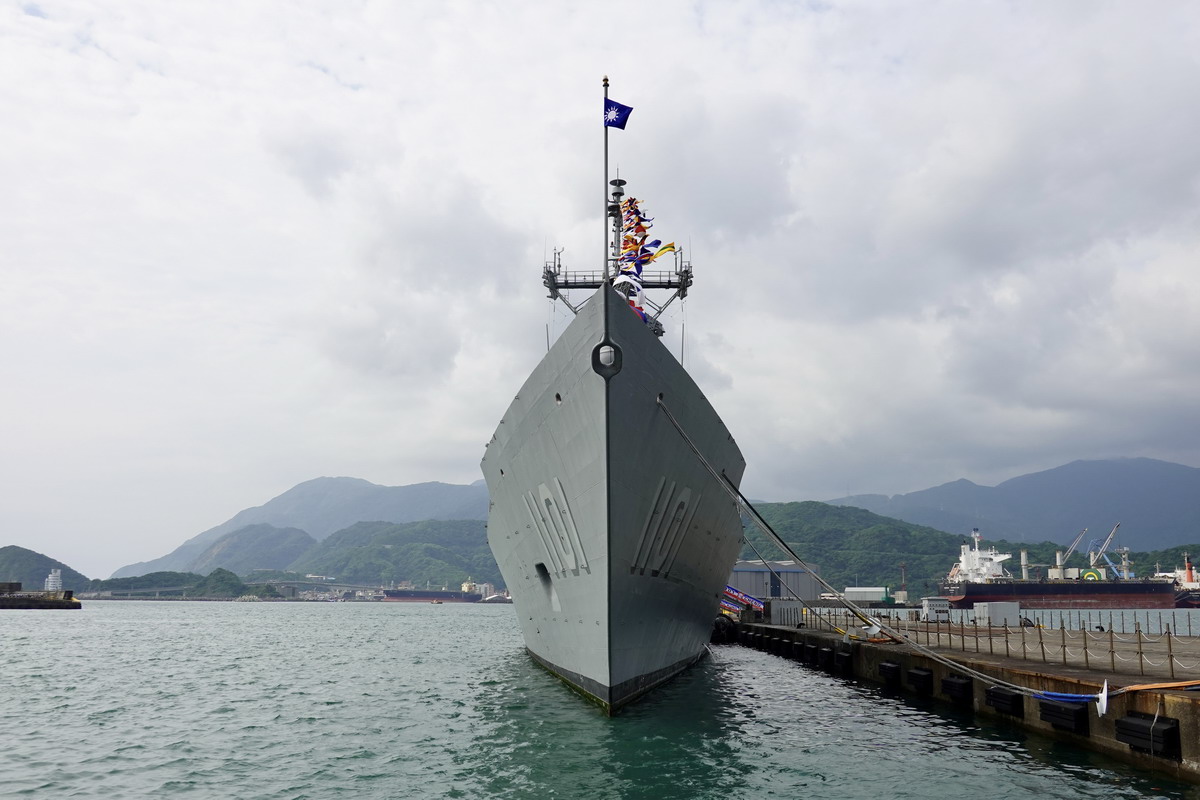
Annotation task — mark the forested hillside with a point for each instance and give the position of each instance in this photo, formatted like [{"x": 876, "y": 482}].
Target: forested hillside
[
  {"x": 18, "y": 564},
  {"x": 380, "y": 553},
  {"x": 854, "y": 547}
]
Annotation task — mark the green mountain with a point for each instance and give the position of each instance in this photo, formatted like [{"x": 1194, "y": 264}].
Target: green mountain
[
  {"x": 324, "y": 505},
  {"x": 30, "y": 569},
  {"x": 253, "y": 547},
  {"x": 241, "y": 551},
  {"x": 167, "y": 583},
  {"x": 854, "y": 547},
  {"x": 369, "y": 553},
  {"x": 379, "y": 553},
  {"x": 220, "y": 583}
]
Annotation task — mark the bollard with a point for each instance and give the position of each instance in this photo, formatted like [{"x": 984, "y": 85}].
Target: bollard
[
  {"x": 1170, "y": 653},
  {"x": 1141, "y": 661}
]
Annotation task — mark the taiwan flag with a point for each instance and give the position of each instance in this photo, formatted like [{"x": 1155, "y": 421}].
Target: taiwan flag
[{"x": 615, "y": 114}]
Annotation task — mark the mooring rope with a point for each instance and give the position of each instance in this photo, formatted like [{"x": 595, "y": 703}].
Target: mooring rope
[
  {"x": 807, "y": 607},
  {"x": 871, "y": 622},
  {"x": 876, "y": 623},
  {"x": 744, "y": 504}
]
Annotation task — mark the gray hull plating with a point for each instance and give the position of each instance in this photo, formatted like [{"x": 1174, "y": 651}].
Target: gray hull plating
[{"x": 614, "y": 540}]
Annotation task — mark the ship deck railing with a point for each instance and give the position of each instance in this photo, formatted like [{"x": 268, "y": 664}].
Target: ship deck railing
[
  {"x": 1071, "y": 581},
  {"x": 592, "y": 279}
]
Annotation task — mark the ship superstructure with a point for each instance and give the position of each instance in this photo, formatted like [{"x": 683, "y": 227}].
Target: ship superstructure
[
  {"x": 1187, "y": 583},
  {"x": 979, "y": 566}
]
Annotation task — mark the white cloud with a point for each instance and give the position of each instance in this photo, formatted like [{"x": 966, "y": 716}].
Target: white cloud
[{"x": 241, "y": 250}]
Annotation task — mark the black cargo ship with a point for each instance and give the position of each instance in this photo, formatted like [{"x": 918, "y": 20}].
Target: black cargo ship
[
  {"x": 980, "y": 577},
  {"x": 1063, "y": 593},
  {"x": 430, "y": 595}
]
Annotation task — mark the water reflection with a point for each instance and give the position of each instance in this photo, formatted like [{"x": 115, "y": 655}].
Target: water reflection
[
  {"x": 538, "y": 738},
  {"x": 748, "y": 724}
]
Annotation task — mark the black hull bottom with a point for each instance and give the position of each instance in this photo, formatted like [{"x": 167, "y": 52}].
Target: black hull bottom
[
  {"x": 1188, "y": 598},
  {"x": 429, "y": 595},
  {"x": 613, "y": 698}
]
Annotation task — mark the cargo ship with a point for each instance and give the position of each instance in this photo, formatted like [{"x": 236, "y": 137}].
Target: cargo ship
[
  {"x": 609, "y": 476},
  {"x": 980, "y": 577},
  {"x": 1187, "y": 584},
  {"x": 469, "y": 592},
  {"x": 429, "y": 595}
]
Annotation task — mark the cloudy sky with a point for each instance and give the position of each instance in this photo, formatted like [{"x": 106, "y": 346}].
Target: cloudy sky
[{"x": 247, "y": 246}]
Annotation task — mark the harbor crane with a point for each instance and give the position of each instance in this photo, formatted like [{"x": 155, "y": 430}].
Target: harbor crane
[
  {"x": 1060, "y": 558},
  {"x": 1094, "y": 555},
  {"x": 1074, "y": 544}
]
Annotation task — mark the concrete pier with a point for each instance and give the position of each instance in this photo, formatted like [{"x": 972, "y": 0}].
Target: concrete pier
[
  {"x": 41, "y": 600},
  {"x": 1153, "y": 729}
]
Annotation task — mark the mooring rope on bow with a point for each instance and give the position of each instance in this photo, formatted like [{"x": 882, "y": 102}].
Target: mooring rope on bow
[
  {"x": 874, "y": 625},
  {"x": 808, "y": 608},
  {"x": 744, "y": 504}
]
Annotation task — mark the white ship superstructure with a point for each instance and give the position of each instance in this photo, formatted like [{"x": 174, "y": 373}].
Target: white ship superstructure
[{"x": 979, "y": 566}]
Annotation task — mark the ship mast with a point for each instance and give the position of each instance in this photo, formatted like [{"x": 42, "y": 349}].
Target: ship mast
[
  {"x": 608, "y": 212},
  {"x": 626, "y": 252}
]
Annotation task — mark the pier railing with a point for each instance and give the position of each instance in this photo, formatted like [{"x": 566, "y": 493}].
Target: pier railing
[{"x": 1103, "y": 649}]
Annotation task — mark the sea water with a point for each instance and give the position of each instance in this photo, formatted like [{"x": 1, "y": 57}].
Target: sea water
[{"x": 381, "y": 700}]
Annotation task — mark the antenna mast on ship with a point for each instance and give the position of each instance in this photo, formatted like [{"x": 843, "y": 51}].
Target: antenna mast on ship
[
  {"x": 626, "y": 253},
  {"x": 608, "y": 209}
]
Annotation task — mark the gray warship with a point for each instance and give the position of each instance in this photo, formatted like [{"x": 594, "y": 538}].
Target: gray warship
[{"x": 608, "y": 517}]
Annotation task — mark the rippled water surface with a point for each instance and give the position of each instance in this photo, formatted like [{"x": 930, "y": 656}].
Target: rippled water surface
[{"x": 369, "y": 700}]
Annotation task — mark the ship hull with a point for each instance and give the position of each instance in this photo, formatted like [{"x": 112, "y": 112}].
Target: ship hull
[
  {"x": 614, "y": 540},
  {"x": 1187, "y": 598},
  {"x": 1064, "y": 594},
  {"x": 429, "y": 595}
]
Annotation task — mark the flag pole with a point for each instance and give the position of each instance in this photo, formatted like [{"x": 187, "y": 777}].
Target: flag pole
[{"x": 604, "y": 263}]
